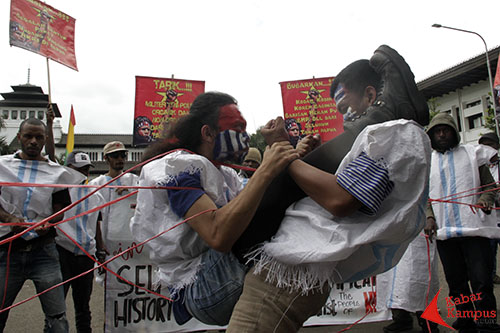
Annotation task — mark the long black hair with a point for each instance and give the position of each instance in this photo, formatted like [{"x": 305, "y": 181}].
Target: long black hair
[{"x": 186, "y": 131}]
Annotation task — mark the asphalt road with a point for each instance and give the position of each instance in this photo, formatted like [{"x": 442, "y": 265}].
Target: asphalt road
[{"x": 28, "y": 317}]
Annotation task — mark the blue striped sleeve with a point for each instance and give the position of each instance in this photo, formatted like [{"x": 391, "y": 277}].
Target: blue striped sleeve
[
  {"x": 182, "y": 200},
  {"x": 367, "y": 181}
]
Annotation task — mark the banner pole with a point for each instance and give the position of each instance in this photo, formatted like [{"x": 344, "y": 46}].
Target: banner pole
[{"x": 48, "y": 79}]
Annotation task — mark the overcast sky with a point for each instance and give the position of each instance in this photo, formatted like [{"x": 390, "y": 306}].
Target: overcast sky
[{"x": 244, "y": 48}]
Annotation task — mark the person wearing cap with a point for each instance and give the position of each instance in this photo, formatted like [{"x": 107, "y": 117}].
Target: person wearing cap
[
  {"x": 491, "y": 139},
  {"x": 114, "y": 225},
  {"x": 74, "y": 258},
  {"x": 253, "y": 159},
  {"x": 462, "y": 234}
]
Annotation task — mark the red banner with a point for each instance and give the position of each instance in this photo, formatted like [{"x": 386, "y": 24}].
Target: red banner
[
  {"x": 40, "y": 28},
  {"x": 309, "y": 109},
  {"x": 158, "y": 101}
]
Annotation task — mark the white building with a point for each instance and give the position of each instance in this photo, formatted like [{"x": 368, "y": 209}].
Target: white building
[{"x": 464, "y": 91}]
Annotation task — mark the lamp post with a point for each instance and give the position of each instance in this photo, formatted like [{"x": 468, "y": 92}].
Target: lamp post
[{"x": 436, "y": 25}]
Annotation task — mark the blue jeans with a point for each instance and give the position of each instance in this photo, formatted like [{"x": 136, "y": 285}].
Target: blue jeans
[
  {"x": 41, "y": 265},
  {"x": 218, "y": 286}
]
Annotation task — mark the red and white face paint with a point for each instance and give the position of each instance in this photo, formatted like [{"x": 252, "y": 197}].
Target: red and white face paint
[{"x": 232, "y": 142}]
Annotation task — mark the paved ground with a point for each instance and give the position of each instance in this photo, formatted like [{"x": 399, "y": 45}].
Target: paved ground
[{"x": 29, "y": 317}]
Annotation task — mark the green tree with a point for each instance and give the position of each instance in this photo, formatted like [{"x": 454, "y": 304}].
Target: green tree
[
  {"x": 257, "y": 140},
  {"x": 490, "y": 115},
  {"x": 433, "y": 107},
  {"x": 4, "y": 145}
]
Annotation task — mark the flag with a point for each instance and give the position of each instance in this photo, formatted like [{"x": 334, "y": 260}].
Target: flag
[
  {"x": 496, "y": 85},
  {"x": 40, "y": 28},
  {"x": 70, "y": 140}
]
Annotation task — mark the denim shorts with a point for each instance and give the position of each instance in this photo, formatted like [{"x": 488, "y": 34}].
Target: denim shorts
[{"x": 218, "y": 286}]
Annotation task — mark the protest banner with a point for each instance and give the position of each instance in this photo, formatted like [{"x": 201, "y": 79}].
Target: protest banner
[
  {"x": 129, "y": 309},
  {"x": 309, "y": 109},
  {"x": 159, "y": 101},
  {"x": 40, "y": 28}
]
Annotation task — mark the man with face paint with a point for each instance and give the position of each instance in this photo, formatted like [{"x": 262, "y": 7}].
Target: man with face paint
[
  {"x": 194, "y": 259},
  {"x": 339, "y": 233}
]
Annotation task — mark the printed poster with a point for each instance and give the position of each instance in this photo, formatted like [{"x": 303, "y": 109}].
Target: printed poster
[
  {"x": 309, "y": 109},
  {"x": 40, "y": 28},
  {"x": 159, "y": 101}
]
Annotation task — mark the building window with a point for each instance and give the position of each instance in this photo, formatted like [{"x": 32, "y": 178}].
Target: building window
[
  {"x": 32, "y": 114},
  {"x": 23, "y": 114},
  {"x": 475, "y": 121},
  {"x": 473, "y": 104},
  {"x": 13, "y": 114},
  {"x": 136, "y": 156},
  {"x": 5, "y": 114},
  {"x": 40, "y": 115}
]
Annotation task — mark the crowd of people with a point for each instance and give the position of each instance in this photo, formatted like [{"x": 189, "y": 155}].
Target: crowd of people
[{"x": 261, "y": 249}]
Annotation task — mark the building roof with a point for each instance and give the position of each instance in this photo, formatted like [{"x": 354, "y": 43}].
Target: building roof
[
  {"x": 461, "y": 75},
  {"x": 96, "y": 140},
  {"x": 27, "y": 95}
]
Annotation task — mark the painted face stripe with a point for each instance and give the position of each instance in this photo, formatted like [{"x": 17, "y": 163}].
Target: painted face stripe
[{"x": 339, "y": 94}]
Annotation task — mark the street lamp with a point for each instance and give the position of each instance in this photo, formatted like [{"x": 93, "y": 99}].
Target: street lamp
[{"x": 436, "y": 25}]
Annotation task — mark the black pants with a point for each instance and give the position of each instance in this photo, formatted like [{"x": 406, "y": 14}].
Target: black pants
[
  {"x": 72, "y": 265},
  {"x": 469, "y": 259}
]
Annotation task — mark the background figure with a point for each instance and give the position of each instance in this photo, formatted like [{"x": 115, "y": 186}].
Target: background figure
[
  {"x": 294, "y": 129},
  {"x": 33, "y": 256},
  {"x": 463, "y": 235},
  {"x": 252, "y": 160},
  {"x": 491, "y": 139},
  {"x": 83, "y": 230},
  {"x": 143, "y": 133},
  {"x": 403, "y": 289}
]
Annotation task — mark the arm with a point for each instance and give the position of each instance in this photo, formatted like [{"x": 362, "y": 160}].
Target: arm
[
  {"x": 323, "y": 188},
  {"x": 430, "y": 228},
  {"x": 9, "y": 218},
  {"x": 60, "y": 200},
  {"x": 486, "y": 199},
  {"x": 222, "y": 227},
  {"x": 50, "y": 147}
]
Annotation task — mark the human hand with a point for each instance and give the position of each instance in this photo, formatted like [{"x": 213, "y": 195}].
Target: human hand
[
  {"x": 100, "y": 255},
  {"x": 308, "y": 144},
  {"x": 277, "y": 157},
  {"x": 275, "y": 131},
  {"x": 486, "y": 206},
  {"x": 16, "y": 228},
  {"x": 430, "y": 228},
  {"x": 43, "y": 229},
  {"x": 50, "y": 114},
  {"x": 121, "y": 190}
]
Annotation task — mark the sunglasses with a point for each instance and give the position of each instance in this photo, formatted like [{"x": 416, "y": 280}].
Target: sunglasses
[{"x": 117, "y": 154}]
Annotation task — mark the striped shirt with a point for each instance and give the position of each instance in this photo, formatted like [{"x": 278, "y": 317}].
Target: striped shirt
[{"x": 367, "y": 181}]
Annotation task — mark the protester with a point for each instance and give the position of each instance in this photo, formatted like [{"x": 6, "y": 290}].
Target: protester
[
  {"x": 463, "y": 235},
  {"x": 406, "y": 288},
  {"x": 355, "y": 223},
  {"x": 194, "y": 259},
  {"x": 33, "y": 255},
  {"x": 73, "y": 257},
  {"x": 253, "y": 159},
  {"x": 491, "y": 139},
  {"x": 115, "y": 218},
  {"x": 293, "y": 129}
]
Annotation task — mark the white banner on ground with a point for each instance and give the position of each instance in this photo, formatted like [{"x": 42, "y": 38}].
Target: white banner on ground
[{"x": 130, "y": 309}]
